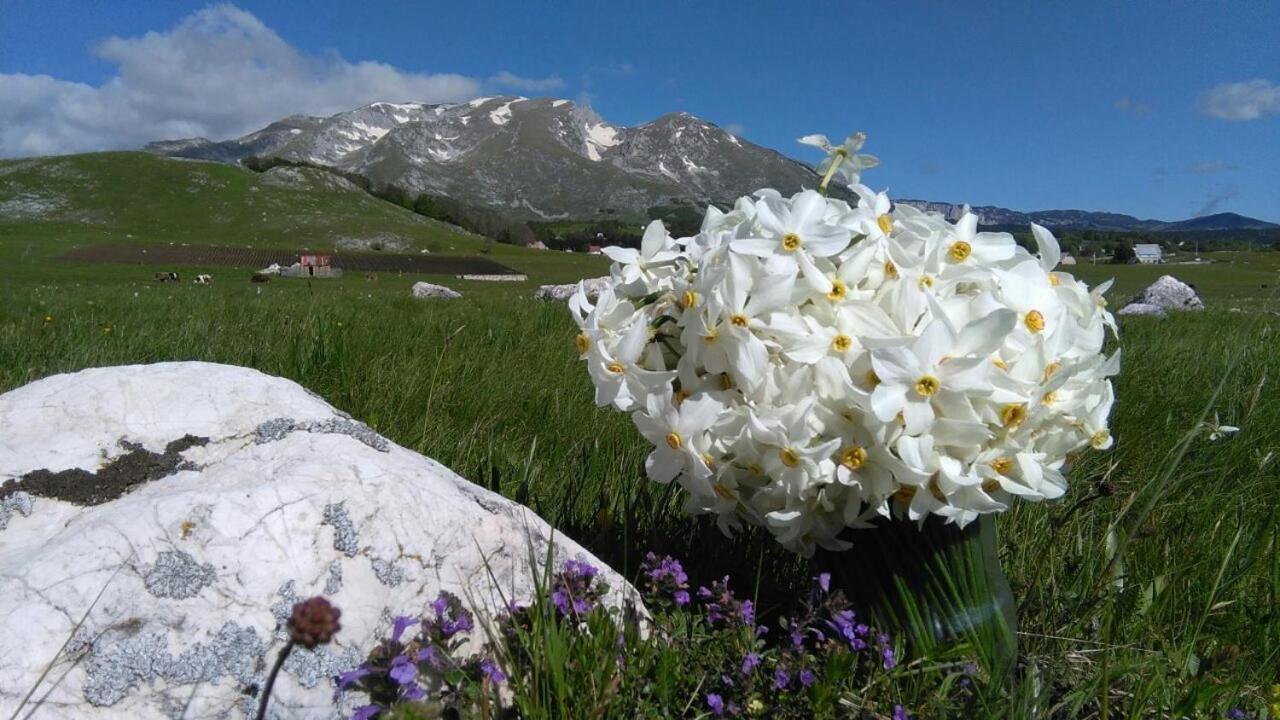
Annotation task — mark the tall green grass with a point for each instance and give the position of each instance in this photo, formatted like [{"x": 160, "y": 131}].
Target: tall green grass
[{"x": 1152, "y": 589}]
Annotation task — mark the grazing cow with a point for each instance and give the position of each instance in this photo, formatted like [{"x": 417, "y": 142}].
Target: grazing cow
[
  {"x": 260, "y": 278},
  {"x": 165, "y": 277},
  {"x": 203, "y": 279}
]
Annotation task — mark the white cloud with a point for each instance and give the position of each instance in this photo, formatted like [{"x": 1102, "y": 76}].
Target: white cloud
[
  {"x": 529, "y": 85},
  {"x": 1241, "y": 101},
  {"x": 735, "y": 129},
  {"x": 218, "y": 73}
]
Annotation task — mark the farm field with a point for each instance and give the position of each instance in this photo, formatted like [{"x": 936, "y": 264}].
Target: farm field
[{"x": 1154, "y": 584}]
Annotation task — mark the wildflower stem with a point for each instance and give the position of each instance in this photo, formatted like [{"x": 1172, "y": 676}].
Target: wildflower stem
[
  {"x": 826, "y": 179},
  {"x": 271, "y": 679}
]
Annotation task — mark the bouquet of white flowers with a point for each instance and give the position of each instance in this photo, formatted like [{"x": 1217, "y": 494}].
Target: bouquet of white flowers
[{"x": 808, "y": 364}]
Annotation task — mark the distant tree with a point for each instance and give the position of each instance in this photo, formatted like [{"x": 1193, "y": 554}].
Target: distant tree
[{"x": 1122, "y": 254}]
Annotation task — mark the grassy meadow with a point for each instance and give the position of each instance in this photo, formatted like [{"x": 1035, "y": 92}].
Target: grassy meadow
[{"x": 1151, "y": 590}]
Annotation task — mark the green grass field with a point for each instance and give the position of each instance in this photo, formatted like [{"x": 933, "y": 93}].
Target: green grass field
[{"x": 1152, "y": 590}]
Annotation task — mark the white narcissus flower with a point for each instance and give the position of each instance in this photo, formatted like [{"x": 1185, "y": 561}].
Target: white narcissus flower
[
  {"x": 848, "y": 163},
  {"x": 807, "y": 366}
]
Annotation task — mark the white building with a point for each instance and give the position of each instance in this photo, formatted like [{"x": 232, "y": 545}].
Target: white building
[{"x": 1148, "y": 254}]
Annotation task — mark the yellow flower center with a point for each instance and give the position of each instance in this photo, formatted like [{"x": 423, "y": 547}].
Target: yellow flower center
[
  {"x": 1000, "y": 363},
  {"x": 927, "y": 386},
  {"x": 872, "y": 378},
  {"x": 674, "y": 441},
  {"x": 739, "y": 320},
  {"x": 708, "y": 460},
  {"x": 726, "y": 381},
  {"x": 688, "y": 299},
  {"x": 853, "y": 458},
  {"x": 885, "y": 223},
  {"x": 960, "y": 251},
  {"x": 615, "y": 367},
  {"x": 990, "y": 486},
  {"x": 1050, "y": 369},
  {"x": 1013, "y": 414},
  {"x": 890, "y": 270},
  {"x": 849, "y": 415},
  {"x": 1049, "y": 398},
  {"x": 791, "y": 242},
  {"x": 925, "y": 282},
  {"x": 1002, "y": 465},
  {"x": 841, "y": 343},
  {"x": 583, "y": 342},
  {"x": 681, "y": 395},
  {"x": 1100, "y": 438},
  {"x": 841, "y": 152},
  {"x": 755, "y": 469},
  {"x": 789, "y": 457},
  {"x": 711, "y": 336},
  {"x": 904, "y": 493},
  {"x": 838, "y": 289},
  {"x": 1034, "y": 321},
  {"x": 1053, "y": 280},
  {"x": 722, "y": 491}
]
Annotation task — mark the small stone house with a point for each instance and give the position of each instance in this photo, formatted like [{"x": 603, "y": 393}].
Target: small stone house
[{"x": 1148, "y": 254}]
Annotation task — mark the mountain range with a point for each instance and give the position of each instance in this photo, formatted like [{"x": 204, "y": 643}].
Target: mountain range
[{"x": 550, "y": 159}]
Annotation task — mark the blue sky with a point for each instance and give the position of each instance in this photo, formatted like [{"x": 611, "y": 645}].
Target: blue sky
[{"x": 1164, "y": 110}]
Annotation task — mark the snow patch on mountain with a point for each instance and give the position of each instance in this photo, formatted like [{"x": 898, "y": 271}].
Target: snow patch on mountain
[{"x": 600, "y": 137}]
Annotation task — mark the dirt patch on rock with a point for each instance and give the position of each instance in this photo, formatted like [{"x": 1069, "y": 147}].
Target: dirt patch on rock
[{"x": 81, "y": 487}]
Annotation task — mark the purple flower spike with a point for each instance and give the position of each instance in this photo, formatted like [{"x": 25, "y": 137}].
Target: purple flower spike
[
  {"x": 364, "y": 712},
  {"x": 413, "y": 691},
  {"x": 716, "y": 703},
  {"x": 492, "y": 671},
  {"x": 681, "y": 597},
  {"x": 351, "y": 677},
  {"x": 781, "y": 679},
  {"x": 402, "y": 670},
  {"x": 399, "y": 625},
  {"x": 750, "y": 663},
  {"x": 824, "y": 582},
  {"x": 900, "y": 713}
]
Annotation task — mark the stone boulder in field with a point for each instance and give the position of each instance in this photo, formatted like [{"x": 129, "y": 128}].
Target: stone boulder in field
[
  {"x": 1143, "y": 309},
  {"x": 429, "y": 291},
  {"x": 158, "y": 522},
  {"x": 1168, "y": 293},
  {"x": 561, "y": 293}
]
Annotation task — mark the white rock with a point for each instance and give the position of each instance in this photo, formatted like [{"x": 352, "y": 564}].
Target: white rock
[
  {"x": 428, "y": 291},
  {"x": 1142, "y": 309},
  {"x": 563, "y": 292},
  {"x": 1169, "y": 293},
  {"x": 181, "y": 582}
]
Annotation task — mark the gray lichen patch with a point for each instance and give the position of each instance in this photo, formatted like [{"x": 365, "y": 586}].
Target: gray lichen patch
[
  {"x": 283, "y": 608},
  {"x": 311, "y": 667},
  {"x": 279, "y": 428},
  {"x": 81, "y": 487},
  {"x": 18, "y": 502},
  {"x": 333, "y": 583},
  {"x": 114, "y": 668},
  {"x": 345, "y": 539},
  {"x": 387, "y": 572},
  {"x": 177, "y": 575}
]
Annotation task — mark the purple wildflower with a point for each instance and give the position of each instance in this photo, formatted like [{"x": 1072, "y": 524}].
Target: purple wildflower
[
  {"x": 576, "y": 588},
  {"x": 402, "y": 670},
  {"x": 681, "y": 597},
  {"x": 900, "y": 713},
  {"x": 1236, "y": 713},
  {"x": 351, "y": 677},
  {"x": 807, "y": 677},
  {"x": 748, "y": 612},
  {"x": 399, "y": 625},
  {"x": 781, "y": 678},
  {"x": 665, "y": 576},
  {"x": 716, "y": 703},
  {"x": 492, "y": 671},
  {"x": 886, "y": 652},
  {"x": 824, "y": 582},
  {"x": 364, "y": 712},
  {"x": 750, "y": 662},
  {"x": 413, "y": 691}
]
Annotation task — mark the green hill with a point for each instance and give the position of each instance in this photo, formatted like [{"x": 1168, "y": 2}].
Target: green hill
[{"x": 51, "y": 205}]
